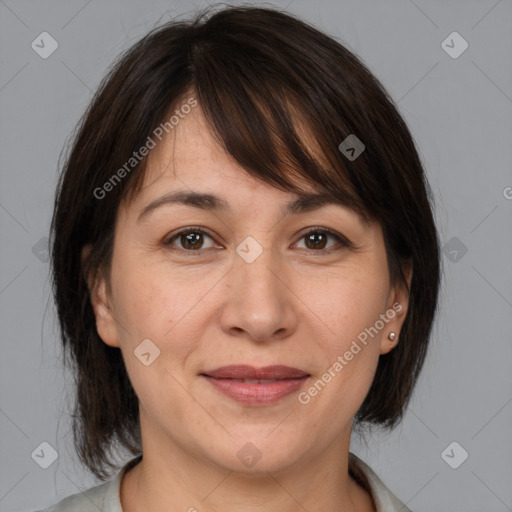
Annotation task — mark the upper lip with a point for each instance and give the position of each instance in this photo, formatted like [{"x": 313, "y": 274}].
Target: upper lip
[{"x": 279, "y": 372}]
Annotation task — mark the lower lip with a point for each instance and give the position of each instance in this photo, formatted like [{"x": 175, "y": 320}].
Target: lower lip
[{"x": 257, "y": 394}]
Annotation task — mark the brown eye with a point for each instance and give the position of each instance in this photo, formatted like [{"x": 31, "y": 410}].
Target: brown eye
[
  {"x": 189, "y": 240},
  {"x": 317, "y": 239}
]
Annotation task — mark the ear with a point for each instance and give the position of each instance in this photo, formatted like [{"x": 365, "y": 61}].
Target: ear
[
  {"x": 396, "y": 310},
  {"x": 103, "y": 312}
]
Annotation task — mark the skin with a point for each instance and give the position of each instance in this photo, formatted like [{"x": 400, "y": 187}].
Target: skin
[{"x": 211, "y": 308}]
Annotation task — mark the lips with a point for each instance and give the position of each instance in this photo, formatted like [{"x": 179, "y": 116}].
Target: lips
[
  {"x": 256, "y": 386},
  {"x": 245, "y": 372}
]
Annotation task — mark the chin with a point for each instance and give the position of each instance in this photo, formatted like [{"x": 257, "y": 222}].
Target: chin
[{"x": 255, "y": 454}]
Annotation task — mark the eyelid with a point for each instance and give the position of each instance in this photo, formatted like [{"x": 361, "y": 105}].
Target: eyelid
[
  {"x": 343, "y": 240},
  {"x": 188, "y": 229},
  {"x": 338, "y": 236}
]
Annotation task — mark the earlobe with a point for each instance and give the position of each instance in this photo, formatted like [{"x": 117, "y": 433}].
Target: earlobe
[
  {"x": 400, "y": 292},
  {"x": 105, "y": 321},
  {"x": 398, "y": 306},
  {"x": 103, "y": 312}
]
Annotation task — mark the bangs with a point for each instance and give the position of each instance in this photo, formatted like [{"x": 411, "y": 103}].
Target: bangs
[
  {"x": 276, "y": 126},
  {"x": 269, "y": 133}
]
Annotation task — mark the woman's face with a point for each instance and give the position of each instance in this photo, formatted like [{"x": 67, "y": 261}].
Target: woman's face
[{"x": 253, "y": 290}]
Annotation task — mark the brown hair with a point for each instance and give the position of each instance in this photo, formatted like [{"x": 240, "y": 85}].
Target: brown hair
[{"x": 252, "y": 70}]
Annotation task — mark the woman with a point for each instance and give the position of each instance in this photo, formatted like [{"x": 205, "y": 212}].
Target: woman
[{"x": 245, "y": 266}]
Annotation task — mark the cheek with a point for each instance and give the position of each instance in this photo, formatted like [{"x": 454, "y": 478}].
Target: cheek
[
  {"x": 163, "y": 306},
  {"x": 150, "y": 301},
  {"x": 151, "y": 306},
  {"x": 348, "y": 303}
]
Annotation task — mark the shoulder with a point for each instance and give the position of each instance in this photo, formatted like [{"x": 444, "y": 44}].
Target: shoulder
[
  {"x": 104, "y": 497},
  {"x": 90, "y": 500},
  {"x": 385, "y": 500}
]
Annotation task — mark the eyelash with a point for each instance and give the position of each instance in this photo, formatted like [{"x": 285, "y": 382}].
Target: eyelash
[{"x": 344, "y": 242}]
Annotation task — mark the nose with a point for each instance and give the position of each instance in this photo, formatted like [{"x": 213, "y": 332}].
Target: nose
[{"x": 259, "y": 301}]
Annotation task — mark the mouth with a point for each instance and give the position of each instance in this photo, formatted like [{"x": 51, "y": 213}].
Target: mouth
[{"x": 256, "y": 386}]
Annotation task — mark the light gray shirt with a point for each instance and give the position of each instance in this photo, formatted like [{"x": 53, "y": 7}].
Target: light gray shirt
[{"x": 106, "y": 497}]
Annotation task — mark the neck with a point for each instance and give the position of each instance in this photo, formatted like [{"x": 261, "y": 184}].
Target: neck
[{"x": 176, "y": 479}]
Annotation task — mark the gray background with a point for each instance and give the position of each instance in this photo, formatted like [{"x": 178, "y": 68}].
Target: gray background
[{"x": 460, "y": 113}]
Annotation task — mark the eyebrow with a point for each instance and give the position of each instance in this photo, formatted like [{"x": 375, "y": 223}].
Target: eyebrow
[{"x": 305, "y": 203}]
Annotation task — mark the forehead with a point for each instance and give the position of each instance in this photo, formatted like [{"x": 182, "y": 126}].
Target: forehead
[
  {"x": 190, "y": 162},
  {"x": 190, "y": 155}
]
